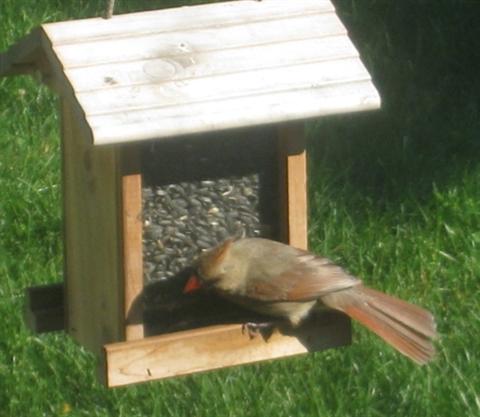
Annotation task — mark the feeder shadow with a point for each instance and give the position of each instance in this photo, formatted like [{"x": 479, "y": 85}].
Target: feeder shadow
[
  {"x": 207, "y": 156},
  {"x": 321, "y": 330},
  {"x": 163, "y": 308}
]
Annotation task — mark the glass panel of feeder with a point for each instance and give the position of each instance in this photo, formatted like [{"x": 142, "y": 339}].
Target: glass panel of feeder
[{"x": 197, "y": 192}]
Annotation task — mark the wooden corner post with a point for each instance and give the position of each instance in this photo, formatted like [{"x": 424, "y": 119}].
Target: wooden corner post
[
  {"x": 293, "y": 184},
  {"x": 132, "y": 229},
  {"x": 93, "y": 257}
]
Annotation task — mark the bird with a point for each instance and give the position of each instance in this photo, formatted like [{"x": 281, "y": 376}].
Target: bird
[{"x": 283, "y": 282}]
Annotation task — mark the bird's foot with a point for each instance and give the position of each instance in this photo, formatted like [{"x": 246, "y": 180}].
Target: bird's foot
[{"x": 255, "y": 329}]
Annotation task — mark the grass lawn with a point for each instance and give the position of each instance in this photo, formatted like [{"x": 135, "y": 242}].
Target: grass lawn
[{"x": 394, "y": 196}]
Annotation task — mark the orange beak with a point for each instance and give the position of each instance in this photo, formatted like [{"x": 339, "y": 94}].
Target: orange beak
[{"x": 193, "y": 284}]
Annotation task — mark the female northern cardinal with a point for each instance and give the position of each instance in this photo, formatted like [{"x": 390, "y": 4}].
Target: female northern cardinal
[{"x": 278, "y": 280}]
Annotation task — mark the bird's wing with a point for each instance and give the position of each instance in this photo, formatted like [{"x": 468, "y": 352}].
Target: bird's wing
[{"x": 307, "y": 279}]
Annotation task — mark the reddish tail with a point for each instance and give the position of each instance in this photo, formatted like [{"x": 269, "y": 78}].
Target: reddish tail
[{"x": 406, "y": 327}]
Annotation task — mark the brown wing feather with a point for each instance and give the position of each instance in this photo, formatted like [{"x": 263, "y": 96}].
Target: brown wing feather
[{"x": 307, "y": 278}]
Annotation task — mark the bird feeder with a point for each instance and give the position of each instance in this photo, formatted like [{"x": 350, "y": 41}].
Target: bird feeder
[{"x": 179, "y": 128}]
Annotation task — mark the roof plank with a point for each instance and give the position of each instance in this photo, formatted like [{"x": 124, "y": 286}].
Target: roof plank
[
  {"x": 188, "y": 42},
  {"x": 182, "y": 18},
  {"x": 193, "y": 69},
  {"x": 181, "y": 67},
  {"x": 214, "y": 115},
  {"x": 222, "y": 87}
]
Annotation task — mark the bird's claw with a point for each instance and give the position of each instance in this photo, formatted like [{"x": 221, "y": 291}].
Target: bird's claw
[{"x": 254, "y": 329}]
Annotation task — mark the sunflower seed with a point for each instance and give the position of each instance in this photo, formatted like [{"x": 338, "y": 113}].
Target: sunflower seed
[{"x": 184, "y": 218}]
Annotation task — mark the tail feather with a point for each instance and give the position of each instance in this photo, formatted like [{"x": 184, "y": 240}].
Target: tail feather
[
  {"x": 406, "y": 327},
  {"x": 419, "y": 319},
  {"x": 402, "y": 339}
]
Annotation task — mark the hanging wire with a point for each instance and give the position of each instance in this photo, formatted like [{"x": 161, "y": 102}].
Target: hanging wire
[{"x": 109, "y": 9}]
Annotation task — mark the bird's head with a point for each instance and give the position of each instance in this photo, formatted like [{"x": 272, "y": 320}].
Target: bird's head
[{"x": 209, "y": 268}]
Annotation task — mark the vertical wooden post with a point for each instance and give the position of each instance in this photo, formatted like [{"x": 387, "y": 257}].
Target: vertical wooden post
[
  {"x": 293, "y": 184},
  {"x": 132, "y": 228},
  {"x": 93, "y": 265}
]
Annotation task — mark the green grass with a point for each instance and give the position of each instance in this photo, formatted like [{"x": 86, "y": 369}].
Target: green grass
[{"x": 394, "y": 196}]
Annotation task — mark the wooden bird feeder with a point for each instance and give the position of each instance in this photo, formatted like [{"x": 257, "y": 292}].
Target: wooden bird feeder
[{"x": 154, "y": 103}]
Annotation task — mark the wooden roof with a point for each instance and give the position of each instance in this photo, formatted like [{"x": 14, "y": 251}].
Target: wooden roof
[{"x": 199, "y": 68}]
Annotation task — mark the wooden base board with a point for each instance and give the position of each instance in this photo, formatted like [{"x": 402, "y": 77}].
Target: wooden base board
[
  {"x": 190, "y": 351},
  {"x": 217, "y": 347}
]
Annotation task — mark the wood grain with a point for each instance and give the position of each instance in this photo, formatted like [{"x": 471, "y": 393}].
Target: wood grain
[
  {"x": 192, "y": 40},
  {"x": 177, "y": 67},
  {"x": 256, "y": 82},
  {"x": 132, "y": 229},
  {"x": 216, "y": 347},
  {"x": 93, "y": 262},
  {"x": 207, "y": 68},
  {"x": 293, "y": 183},
  {"x": 237, "y": 112},
  {"x": 208, "y": 16},
  {"x": 201, "y": 68}
]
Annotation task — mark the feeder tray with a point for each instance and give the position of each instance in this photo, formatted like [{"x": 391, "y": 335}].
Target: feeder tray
[{"x": 181, "y": 127}]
